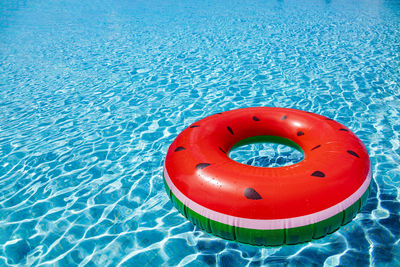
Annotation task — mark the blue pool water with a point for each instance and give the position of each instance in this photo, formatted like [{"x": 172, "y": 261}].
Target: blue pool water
[
  {"x": 264, "y": 154},
  {"x": 93, "y": 92}
]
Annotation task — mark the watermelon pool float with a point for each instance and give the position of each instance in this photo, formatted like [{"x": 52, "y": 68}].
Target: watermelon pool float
[{"x": 261, "y": 205}]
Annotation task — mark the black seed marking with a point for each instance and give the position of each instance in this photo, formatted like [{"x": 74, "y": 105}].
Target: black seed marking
[
  {"x": 250, "y": 193},
  {"x": 284, "y": 117},
  {"x": 343, "y": 129},
  {"x": 328, "y": 119},
  {"x": 179, "y": 148},
  {"x": 201, "y": 166},
  {"x": 315, "y": 147},
  {"x": 230, "y": 130},
  {"x": 351, "y": 152},
  {"x": 255, "y": 118},
  {"x": 300, "y": 133},
  {"x": 219, "y": 113},
  {"x": 318, "y": 174},
  {"x": 194, "y": 126},
  {"x": 221, "y": 149}
]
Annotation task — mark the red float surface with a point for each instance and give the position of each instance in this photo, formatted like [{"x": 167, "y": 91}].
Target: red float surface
[{"x": 335, "y": 164}]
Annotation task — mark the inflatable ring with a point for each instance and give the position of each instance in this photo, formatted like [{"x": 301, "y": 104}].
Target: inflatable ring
[{"x": 268, "y": 206}]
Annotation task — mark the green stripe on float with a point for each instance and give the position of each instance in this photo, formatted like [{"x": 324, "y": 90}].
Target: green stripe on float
[{"x": 276, "y": 237}]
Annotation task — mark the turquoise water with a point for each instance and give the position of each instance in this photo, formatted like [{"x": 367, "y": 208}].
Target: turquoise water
[
  {"x": 266, "y": 154},
  {"x": 93, "y": 93}
]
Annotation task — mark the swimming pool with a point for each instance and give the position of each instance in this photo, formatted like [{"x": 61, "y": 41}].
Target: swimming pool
[{"x": 93, "y": 93}]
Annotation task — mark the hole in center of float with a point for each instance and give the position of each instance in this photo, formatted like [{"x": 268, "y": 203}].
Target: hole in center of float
[{"x": 267, "y": 151}]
